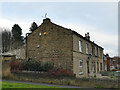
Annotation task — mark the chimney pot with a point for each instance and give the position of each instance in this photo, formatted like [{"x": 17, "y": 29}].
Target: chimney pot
[{"x": 87, "y": 36}]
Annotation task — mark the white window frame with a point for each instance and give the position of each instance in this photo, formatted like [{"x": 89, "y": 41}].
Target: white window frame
[
  {"x": 92, "y": 50},
  {"x": 81, "y": 72},
  {"x": 80, "y": 46},
  {"x": 86, "y": 48},
  {"x": 79, "y": 63}
]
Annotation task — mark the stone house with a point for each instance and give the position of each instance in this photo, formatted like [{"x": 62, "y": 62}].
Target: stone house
[
  {"x": 65, "y": 48},
  {"x": 19, "y": 53}
]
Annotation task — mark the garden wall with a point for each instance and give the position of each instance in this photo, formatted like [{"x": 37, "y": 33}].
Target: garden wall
[
  {"x": 83, "y": 82},
  {"x": 6, "y": 68}
]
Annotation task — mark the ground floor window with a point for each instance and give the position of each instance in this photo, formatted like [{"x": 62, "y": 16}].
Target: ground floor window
[
  {"x": 98, "y": 66},
  {"x": 105, "y": 67},
  {"x": 81, "y": 66},
  {"x": 93, "y": 67},
  {"x": 101, "y": 66}
]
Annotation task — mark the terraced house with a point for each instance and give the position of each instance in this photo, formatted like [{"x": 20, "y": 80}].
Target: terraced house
[{"x": 65, "y": 48}]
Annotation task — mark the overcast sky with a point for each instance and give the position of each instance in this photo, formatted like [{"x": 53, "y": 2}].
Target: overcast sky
[{"x": 100, "y": 19}]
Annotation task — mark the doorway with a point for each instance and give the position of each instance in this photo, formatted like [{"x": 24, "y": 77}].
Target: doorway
[{"x": 88, "y": 67}]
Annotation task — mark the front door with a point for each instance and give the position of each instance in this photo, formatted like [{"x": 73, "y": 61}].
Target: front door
[{"x": 88, "y": 67}]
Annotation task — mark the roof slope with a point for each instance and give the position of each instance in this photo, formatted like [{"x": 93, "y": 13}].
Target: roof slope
[{"x": 47, "y": 20}]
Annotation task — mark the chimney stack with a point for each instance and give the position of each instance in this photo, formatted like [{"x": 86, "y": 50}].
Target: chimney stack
[
  {"x": 87, "y": 36},
  {"x": 47, "y": 20}
]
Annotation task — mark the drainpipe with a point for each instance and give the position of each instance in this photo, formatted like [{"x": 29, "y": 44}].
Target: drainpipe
[{"x": 26, "y": 46}]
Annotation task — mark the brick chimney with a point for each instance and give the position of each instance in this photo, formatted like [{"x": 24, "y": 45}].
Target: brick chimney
[{"x": 87, "y": 36}]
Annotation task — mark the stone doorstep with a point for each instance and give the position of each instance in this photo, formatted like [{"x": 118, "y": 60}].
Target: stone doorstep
[
  {"x": 97, "y": 75},
  {"x": 104, "y": 77}
]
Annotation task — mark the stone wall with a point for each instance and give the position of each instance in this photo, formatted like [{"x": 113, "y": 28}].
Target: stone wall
[
  {"x": 77, "y": 55},
  {"x": 6, "y": 68},
  {"x": 51, "y": 43},
  {"x": 82, "y": 82}
]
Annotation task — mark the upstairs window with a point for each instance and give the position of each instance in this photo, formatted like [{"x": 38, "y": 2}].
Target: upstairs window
[
  {"x": 86, "y": 48},
  {"x": 101, "y": 53},
  {"x": 80, "y": 46},
  {"x": 93, "y": 50},
  {"x": 97, "y": 51}
]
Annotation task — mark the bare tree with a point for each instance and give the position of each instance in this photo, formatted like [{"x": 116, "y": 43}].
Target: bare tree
[{"x": 6, "y": 39}]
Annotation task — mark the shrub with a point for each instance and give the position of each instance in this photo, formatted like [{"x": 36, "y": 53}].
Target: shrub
[
  {"x": 95, "y": 75},
  {"x": 112, "y": 77},
  {"x": 60, "y": 72},
  {"x": 37, "y": 66},
  {"x": 15, "y": 66}
]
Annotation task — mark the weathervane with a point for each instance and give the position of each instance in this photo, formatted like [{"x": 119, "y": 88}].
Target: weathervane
[{"x": 45, "y": 16}]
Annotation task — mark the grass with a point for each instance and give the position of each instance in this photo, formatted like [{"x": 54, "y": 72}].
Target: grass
[
  {"x": 99, "y": 87},
  {"x": 22, "y": 85},
  {"x": 15, "y": 86}
]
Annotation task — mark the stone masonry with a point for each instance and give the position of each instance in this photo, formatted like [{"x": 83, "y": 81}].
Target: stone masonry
[
  {"x": 51, "y": 43},
  {"x": 54, "y": 43}
]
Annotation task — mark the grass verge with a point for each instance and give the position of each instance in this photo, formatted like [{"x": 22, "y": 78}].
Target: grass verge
[{"x": 22, "y": 85}]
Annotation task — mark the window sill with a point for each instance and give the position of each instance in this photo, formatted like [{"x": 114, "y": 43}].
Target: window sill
[
  {"x": 80, "y": 73},
  {"x": 87, "y": 54},
  {"x": 81, "y": 52}
]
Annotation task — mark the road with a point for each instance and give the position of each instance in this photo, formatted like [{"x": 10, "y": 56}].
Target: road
[{"x": 62, "y": 86}]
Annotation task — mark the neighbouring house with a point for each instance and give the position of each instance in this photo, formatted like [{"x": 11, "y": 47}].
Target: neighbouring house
[
  {"x": 19, "y": 53},
  {"x": 116, "y": 62},
  {"x": 111, "y": 63},
  {"x": 65, "y": 48},
  {"x": 106, "y": 62}
]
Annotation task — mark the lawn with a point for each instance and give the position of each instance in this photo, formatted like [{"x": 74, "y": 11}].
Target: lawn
[{"x": 22, "y": 85}]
